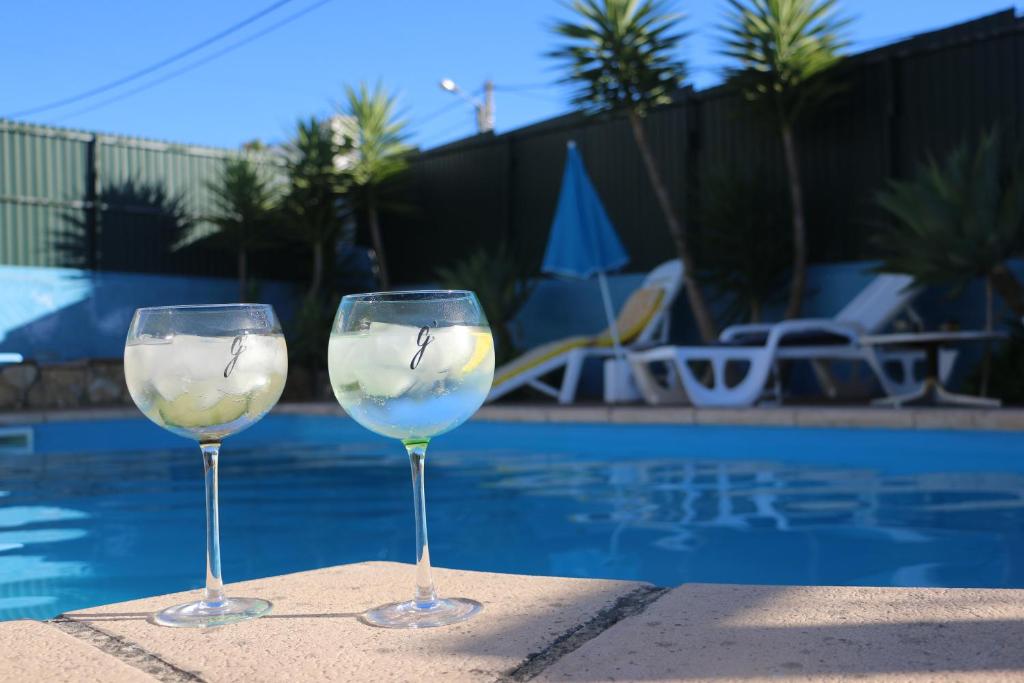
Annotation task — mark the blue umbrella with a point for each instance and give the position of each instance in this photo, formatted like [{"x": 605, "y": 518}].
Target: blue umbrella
[{"x": 583, "y": 242}]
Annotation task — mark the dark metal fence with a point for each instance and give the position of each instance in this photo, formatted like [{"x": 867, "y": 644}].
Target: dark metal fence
[
  {"x": 901, "y": 102},
  {"x": 108, "y": 202}
]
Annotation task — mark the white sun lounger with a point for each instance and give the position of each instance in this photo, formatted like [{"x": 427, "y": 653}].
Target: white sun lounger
[
  {"x": 752, "y": 352},
  {"x": 642, "y": 322}
]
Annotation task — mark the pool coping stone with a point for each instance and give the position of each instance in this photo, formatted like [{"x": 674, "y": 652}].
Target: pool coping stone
[
  {"x": 541, "y": 629},
  {"x": 973, "y": 419},
  {"x": 703, "y": 632},
  {"x": 314, "y": 633}
]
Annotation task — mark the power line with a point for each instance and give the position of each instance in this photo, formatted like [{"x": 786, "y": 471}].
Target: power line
[
  {"x": 450, "y": 130},
  {"x": 199, "y": 62},
  {"x": 152, "y": 67},
  {"x": 443, "y": 110},
  {"x": 525, "y": 86},
  {"x": 536, "y": 96}
]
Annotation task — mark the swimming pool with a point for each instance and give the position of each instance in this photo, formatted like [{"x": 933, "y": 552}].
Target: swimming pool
[{"x": 112, "y": 510}]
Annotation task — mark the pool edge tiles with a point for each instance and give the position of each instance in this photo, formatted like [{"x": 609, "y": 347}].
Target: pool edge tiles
[{"x": 973, "y": 419}]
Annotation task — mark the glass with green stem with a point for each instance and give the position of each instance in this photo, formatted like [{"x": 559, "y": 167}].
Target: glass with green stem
[
  {"x": 205, "y": 373},
  {"x": 411, "y": 366}
]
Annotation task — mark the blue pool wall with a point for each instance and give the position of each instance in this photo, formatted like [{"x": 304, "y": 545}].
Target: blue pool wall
[{"x": 63, "y": 314}]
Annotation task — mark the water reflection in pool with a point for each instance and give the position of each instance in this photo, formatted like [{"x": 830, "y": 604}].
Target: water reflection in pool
[{"x": 665, "y": 506}]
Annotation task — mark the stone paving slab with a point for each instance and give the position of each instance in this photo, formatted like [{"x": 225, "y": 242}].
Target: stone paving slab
[
  {"x": 33, "y": 652},
  {"x": 701, "y": 632},
  {"x": 313, "y": 633}
]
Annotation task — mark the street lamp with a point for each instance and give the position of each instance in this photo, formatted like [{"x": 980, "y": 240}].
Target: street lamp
[{"x": 484, "y": 109}]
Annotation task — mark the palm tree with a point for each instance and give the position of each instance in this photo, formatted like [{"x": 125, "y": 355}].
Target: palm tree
[
  {"x": 314, "y": 205},
  {"x": 373, "y": 140},
  {"x": 960, "y": 219},
  {"x": 245, "y": 198},
  {"x": 784, "y": 48},
  {"x": 620, "y": 55}
]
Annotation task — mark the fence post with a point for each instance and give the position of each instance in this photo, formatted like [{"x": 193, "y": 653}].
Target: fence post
[
  {"x": 891, "y": 125},
  {"x": 92, "y": 203},
  {"x": 510, "y": 189}
]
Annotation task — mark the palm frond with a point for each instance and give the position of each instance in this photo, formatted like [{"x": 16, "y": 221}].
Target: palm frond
[
  {"x": 620, "y": 54},
  {"x": 783, "y": 50},
  {"x": 372, "y": 136},
  {"x": 957, "y": 219}
]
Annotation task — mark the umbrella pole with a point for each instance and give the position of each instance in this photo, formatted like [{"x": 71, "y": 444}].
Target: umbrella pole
[{"x": 613, "y": 328}]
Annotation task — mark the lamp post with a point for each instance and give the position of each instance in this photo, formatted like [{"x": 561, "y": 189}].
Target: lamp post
[{"x": 484, "y": 109}]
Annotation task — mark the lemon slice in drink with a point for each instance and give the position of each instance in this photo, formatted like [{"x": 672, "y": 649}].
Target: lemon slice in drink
[
  {"x": 482, "y": 345},
  {"x": 188, "y": 412}
]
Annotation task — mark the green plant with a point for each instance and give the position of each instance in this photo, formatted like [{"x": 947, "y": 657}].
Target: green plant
[
  {"x": 310, "y": 330},
  {"x": 785, "y": 49},
  {"x": 501, "y": 284},
  {"x": 959, "y": 219},
  {"x": 745, "y": 239},
  {"x": 314, "y": 206},
  {"x": 245, "y": 200},
  {"x": 621, "y": 55},
  {"x": 374, "y": 144}
]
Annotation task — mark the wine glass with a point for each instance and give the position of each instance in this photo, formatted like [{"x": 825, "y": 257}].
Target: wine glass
[
  {"x": 207, "y": 372},
  {"x": 412, "y": 366}
]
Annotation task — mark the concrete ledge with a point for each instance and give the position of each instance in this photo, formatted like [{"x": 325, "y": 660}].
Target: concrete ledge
[
  {"x": 313, "y": 633},
  {"x": 540, "y": 628},
  {"x": 809, "y": 633},
  {"x": 998, "y": 419},
  {"x": 33, "y": 651}
]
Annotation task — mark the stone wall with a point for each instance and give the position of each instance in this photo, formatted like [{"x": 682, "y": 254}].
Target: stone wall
[
  {"x": 100, "y": 382},
  {"x": 65, "y": 385}
]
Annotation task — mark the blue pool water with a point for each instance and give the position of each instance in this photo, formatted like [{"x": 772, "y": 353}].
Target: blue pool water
[{"x": 108, "y": 511}]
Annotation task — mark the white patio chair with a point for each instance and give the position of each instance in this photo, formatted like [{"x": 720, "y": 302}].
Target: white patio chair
[
  {"x": 643, "y": 321},
  {"x": 753, "y": 351}
]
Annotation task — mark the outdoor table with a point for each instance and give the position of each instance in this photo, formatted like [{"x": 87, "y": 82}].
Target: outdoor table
[{"x": 932, "y": 392}]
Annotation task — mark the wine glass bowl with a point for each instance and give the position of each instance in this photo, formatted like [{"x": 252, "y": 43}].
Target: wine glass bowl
[
  {"x": 412, "y": 366},
  {"x": 205, "y": 373}
]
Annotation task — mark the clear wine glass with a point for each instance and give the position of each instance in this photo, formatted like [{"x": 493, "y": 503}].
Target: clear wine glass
[
  {"x": 205, "y": 373},
  {"x": 413, "y": 365}
]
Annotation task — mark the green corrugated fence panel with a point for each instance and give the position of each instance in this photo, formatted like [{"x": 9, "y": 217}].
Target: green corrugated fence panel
[{"x": 44, "y": 199}]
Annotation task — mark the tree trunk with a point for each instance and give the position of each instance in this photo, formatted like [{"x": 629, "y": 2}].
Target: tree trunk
[
  {"x": 755, "y": 311},
  {"x": 1009, "y": 289},
  {"x": 986, "y": 359},
  {"x": 677, "y": 229},
  {"x": 796, "y": 195},
  {"x": 378, "y": 240},
  {"x": 318, "y": 270},
  {"x": 243, "y": 275}
]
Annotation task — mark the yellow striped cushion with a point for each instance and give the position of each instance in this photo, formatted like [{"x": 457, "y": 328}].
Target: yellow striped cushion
[
  {"x": 538, "y": 355},
  {"x": 634, "y": 316}
]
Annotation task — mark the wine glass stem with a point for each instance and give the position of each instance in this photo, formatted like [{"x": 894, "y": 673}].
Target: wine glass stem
[
  {"x": 213, "y": 596},
  {"x": 426, "y": 596}
]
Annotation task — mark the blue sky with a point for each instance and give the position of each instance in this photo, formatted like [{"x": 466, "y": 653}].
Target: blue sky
[{"x": 50, "y": 49}]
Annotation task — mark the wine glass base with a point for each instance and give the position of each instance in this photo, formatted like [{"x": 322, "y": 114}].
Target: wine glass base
[
  {"x": 441, "y": 612},
  {"x": 201, "y": 615}
]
